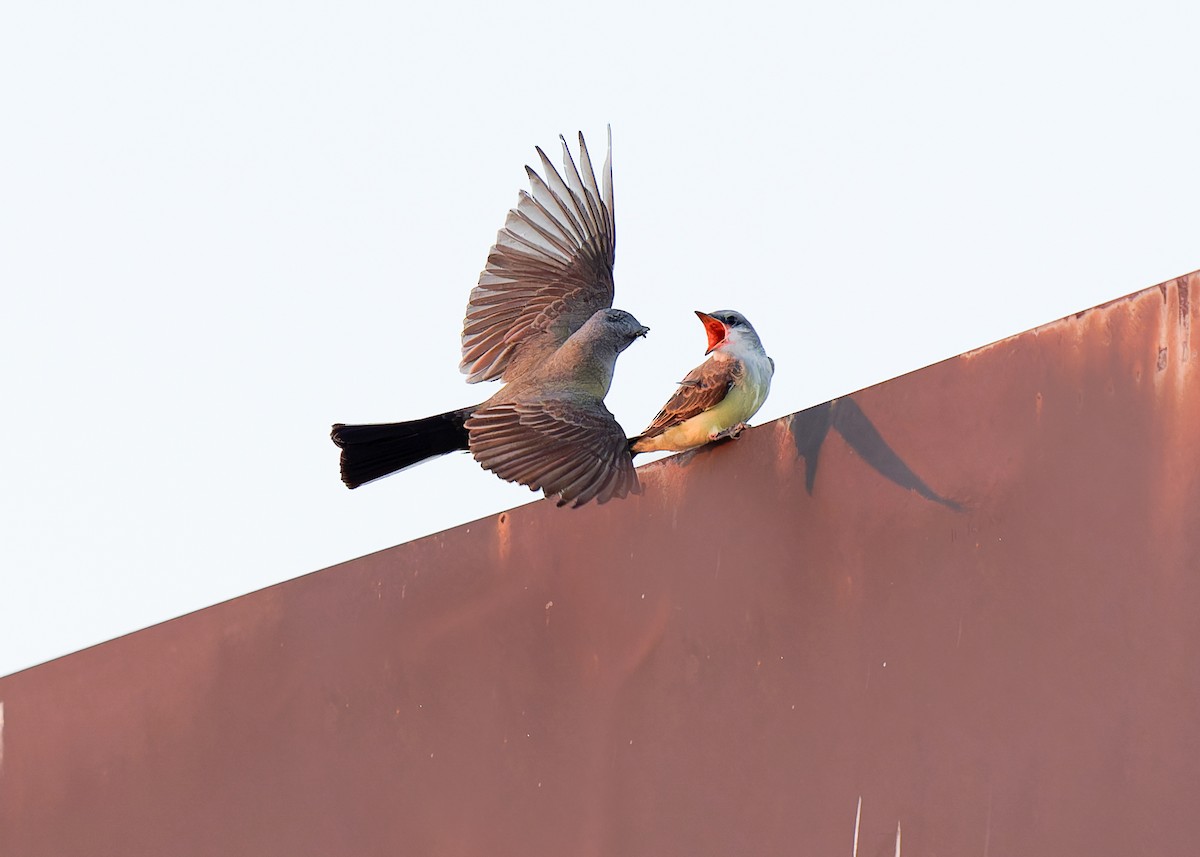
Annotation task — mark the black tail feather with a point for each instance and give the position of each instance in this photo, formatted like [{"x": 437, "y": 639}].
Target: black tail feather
[{"x": 373, "y": 451}]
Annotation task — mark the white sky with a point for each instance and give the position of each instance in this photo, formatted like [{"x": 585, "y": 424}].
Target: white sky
[{"x": 226, "y": 225}]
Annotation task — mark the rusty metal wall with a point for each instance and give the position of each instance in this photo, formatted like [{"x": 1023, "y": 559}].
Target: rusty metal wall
[{"x": 977, "y": 620}]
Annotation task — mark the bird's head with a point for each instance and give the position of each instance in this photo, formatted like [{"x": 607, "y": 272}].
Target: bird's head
[
  {"x": 615, "y": 326},
  {"x": 726, "y": 329}
]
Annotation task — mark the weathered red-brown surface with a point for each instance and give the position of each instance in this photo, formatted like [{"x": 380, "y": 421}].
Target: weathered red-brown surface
[{"x": 725, "y": 665}]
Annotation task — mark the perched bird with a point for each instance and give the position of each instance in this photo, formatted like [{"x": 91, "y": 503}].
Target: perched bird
[
  {"x": 718, "y": 396},
  {"x": 540, "y": 319}
]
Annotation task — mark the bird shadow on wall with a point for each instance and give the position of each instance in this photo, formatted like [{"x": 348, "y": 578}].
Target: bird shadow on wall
[{"x": 809, "y": 429}]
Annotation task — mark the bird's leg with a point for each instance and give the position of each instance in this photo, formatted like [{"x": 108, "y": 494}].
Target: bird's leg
[{"x": 733, "y": 432}]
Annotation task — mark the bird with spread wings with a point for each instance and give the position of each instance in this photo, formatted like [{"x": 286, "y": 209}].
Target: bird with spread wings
[{"x": 540, "y": 319}]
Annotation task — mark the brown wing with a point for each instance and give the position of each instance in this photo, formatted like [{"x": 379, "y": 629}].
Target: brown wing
[
  {"x": 575, "y": 451},
  {"x": 703, "y": 388},
  {"x": 548, "y": 272}
]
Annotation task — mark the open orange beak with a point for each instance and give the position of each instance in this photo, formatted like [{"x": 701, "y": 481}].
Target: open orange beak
[{"x": 715, "y": 328}]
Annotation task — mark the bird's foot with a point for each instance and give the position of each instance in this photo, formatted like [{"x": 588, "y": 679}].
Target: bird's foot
[{"x": 732, "y": 433}]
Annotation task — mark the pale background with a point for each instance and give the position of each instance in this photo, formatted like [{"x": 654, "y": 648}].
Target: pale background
[{"x": 226, "y": 225}]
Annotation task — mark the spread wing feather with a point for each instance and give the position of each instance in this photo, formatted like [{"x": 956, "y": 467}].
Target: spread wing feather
[
  {"x": 548, "y": 272},
  {"x": 563, "y": 448}
]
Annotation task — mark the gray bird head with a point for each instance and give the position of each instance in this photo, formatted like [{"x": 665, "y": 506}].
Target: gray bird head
[
  {"x": 613, "y": 327},
  {"x": 728, "y": 329}
]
